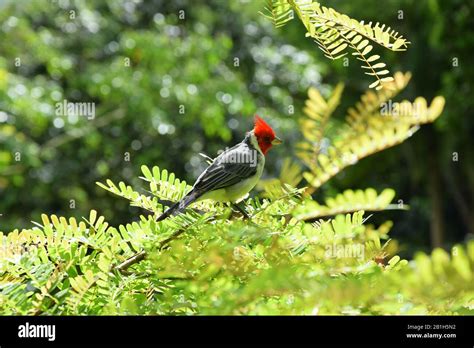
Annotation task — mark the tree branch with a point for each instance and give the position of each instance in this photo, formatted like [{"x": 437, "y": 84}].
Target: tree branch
[{"x": 140, "y": 256}]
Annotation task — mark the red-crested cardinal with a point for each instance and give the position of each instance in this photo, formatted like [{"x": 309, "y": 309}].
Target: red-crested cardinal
[{"x": 234, "y": 172}]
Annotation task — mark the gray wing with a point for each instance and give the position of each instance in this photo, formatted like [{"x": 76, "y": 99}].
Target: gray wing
[{"x": 224, "y": 172}]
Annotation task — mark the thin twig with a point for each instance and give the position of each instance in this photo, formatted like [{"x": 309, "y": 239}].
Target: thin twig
[
  {"x": 140, "y": 256},
  {"x": 131, "y": 261}
]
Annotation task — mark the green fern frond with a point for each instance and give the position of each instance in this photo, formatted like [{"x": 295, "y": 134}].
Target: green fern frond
[
  {"x": 346, "y": 202},
  {"x": 83, "y": 291},
  {"x": 318, "y": 112},
  {"x": 345, "y": 231},
  {"x": 336, "y": 33},
  {"x": 163, "y": 184},
  {"x": 282, "y": 200},
  {"x": 374, "y": 124},
  {"x": 51, "y": 256},
  {"x": 279, "y": 12},
  {"x": 341, "y": 225},
  {"x": 455, "y": 271},
  {"x": 127, "y": 192},
  {"x": 416, "y": 113},
  {"x": 350, "y": 148},
  {"x": 371, "y": 102}
]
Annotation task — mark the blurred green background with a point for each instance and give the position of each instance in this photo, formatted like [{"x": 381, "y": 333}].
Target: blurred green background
[{"x": 171, "y": 79}]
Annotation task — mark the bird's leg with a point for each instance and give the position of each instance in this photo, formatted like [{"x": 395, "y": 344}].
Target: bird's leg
[{"x": 236, "y": 206}]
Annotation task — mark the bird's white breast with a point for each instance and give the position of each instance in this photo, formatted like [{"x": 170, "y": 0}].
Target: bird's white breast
[{"x": 240, "y": 190}]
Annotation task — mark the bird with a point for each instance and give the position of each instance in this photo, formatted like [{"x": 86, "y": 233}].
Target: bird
[{"x": 232, "y": 174}]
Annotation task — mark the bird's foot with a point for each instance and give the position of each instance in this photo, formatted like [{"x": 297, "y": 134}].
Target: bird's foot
[{"x": 242, "y": 211}]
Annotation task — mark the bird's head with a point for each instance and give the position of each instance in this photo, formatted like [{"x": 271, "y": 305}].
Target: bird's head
[{"x": 265, "y": 135}]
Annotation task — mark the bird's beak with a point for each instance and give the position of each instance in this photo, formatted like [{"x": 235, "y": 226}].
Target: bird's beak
[{"x": 276, "y": 141}]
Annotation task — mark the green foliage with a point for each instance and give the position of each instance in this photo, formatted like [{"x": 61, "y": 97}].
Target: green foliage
[
  {"x": 335, "y": 33},
  {"x": 293, "y": 256},
  {"x": 279, "y": 12},
  {"x": 218, "y": 263},
  {"x": 374, "y": 124},
  {"x": 348, "y": 201},
  {"x": 138, "y": 65}
]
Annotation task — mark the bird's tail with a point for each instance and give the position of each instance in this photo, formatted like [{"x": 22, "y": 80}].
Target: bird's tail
[{"x": 178, "y": 207}]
